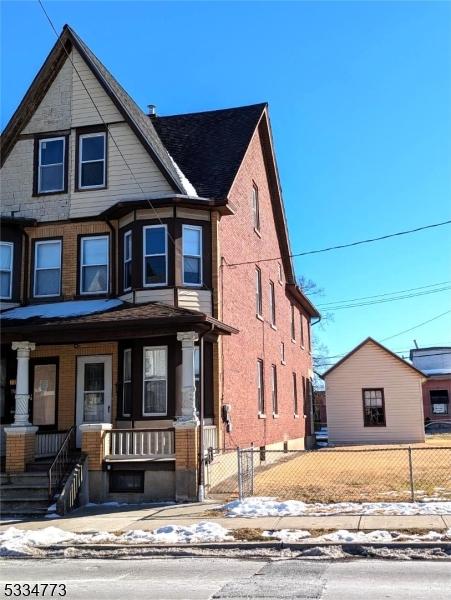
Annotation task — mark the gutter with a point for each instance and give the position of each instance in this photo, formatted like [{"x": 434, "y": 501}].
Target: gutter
[{"x": 201, "y": 488}]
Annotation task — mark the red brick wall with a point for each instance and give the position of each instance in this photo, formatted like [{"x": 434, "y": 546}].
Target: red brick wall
[
  {"x": 435, "y": 384},
  {"x": 257, "y": 339}
]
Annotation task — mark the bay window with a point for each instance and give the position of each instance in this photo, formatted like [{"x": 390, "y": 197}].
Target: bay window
[
  {"x": 47, "y": 268},
  {"x": 94, "y": 265},
  {"x": 127, "y": 260},
  {"x": 6, "y": 270},
  {"x": 155, "y": 381},
  {"x": 192, "y": 255},
  {"x": 155, "y": 267}
]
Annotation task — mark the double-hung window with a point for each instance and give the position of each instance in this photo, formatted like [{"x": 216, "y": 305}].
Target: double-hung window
[
  {"x": 258, "y": 292},
  {"x": 301, "y": 324},
  {"x": 295, "y": 395},
  {"x": 256, "y": 207},
  {"x": 373, "y": 407},
  {"x": 127, "y": 384},
  {"x": 260, "y": 388},
  {"x": 94, "y": 265},
  {"x": 127, "y": 260},
  {"x": 192, "y": 255},
  {"x": 155, "y": 267},
  {"x": 47, "y": 268},
  {"x": 6, "y": 270},
  {"x": 293, "y": 324},
  {"x": 92, "y": 160},
  {"x": 272, "y": 303},
  {"x": 275, "y": 403},
  {"x": 155, "y": 381},
  {"x": 51, "y": 167},
  {"x": 439, "y": 402}
]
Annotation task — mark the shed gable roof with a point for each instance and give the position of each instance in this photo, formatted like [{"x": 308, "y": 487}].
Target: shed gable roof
[{"x": 369, "y": 340}]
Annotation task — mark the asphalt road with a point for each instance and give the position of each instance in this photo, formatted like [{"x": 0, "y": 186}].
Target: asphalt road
[{"x": 204, "y": 578}]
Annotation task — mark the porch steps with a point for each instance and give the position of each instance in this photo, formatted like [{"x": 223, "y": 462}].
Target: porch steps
[{"x": 24, "y": 494}]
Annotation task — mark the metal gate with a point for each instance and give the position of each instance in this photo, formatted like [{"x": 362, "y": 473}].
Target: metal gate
[{"x": 245, "y": 472}]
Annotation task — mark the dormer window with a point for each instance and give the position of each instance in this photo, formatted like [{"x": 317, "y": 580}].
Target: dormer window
[
  {"x": 51, "y": 167},
  {"x": 92, "y": 161}
]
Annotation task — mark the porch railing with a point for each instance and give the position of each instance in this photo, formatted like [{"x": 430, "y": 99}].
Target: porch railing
[
  {"x": 123, "y": 444},
  {"x": 61, "y": 462},
  {"x": 75, "y": 485},
  {"x": 48, "y": 443}
]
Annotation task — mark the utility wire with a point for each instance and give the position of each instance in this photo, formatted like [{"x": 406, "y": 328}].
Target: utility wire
[
  {"x": 381, "y": 295},
  {"x": 339, "y": 247},
  {"x": 416, "y": 326},
  {"x": 394, "y": 351}
]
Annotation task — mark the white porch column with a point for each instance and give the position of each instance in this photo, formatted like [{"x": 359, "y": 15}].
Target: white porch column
[
  {"x": 21, "y": 417},
  {"x": 188, "y": 408}
]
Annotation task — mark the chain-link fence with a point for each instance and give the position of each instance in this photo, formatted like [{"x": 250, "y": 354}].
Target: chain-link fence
[{"x": 333, "y": 475}]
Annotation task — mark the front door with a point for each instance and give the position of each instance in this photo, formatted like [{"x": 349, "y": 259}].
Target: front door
[
  {"x": 93, "y": 391},
  {"x": 44, "y": 385}
]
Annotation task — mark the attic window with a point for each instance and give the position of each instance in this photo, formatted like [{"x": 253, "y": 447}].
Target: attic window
[
  {"x": 51, "y": 165},
  {"x": 92, "y": 167}
]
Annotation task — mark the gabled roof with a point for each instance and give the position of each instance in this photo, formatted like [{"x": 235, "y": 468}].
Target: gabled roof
[
  {"x": 138, "y": 121},
  {"x": 209, "y": 146},
  {"x": 366, "y": 341}
]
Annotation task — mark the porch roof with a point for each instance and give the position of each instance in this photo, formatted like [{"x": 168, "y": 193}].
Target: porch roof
[{"x": 75, "y": 321}]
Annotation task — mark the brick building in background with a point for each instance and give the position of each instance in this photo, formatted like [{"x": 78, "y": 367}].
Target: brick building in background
[
  {"x": 436, "y": 365},
  {"x": 136, "y": 290}
]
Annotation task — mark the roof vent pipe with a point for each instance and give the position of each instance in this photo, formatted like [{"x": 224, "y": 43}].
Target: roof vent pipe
[{"x": 151, "y": 110}]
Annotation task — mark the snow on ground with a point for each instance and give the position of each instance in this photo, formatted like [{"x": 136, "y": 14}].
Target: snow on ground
[
  {"x": 268, "y": 507},
  {"x": 344, "y": 536},
  {"x": 19, "y": 542}
]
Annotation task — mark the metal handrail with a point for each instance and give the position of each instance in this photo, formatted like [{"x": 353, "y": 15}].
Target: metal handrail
[{"x": 59, "y": 465}]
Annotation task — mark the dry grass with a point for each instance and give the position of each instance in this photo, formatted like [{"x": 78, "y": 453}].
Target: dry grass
[{"x": 355, "y": 475}]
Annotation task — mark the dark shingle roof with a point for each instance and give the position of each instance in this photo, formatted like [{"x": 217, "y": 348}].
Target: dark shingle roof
[{"x": 209, "y": 146}]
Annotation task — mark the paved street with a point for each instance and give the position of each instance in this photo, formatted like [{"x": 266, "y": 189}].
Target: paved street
[{"x": 204, "y": 578}]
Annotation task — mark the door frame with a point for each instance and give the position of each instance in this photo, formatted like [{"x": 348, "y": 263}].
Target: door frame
[
  {"x": 107, "y": 360},
  {"x": 51, "y": 360}
]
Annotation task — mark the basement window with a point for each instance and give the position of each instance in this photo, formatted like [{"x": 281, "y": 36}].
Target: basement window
[{"x": 127, "y": 481}]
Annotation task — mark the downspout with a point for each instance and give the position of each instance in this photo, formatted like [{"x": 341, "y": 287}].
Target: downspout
[{"x": 201, "y": 488}]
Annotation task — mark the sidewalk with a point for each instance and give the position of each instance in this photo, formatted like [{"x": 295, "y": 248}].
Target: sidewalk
[{"x": 127, "y": 518}]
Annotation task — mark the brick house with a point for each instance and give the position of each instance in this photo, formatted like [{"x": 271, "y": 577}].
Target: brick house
[
  {"x": 435, "y": 363},
  {"x": 139, "y": 327}
]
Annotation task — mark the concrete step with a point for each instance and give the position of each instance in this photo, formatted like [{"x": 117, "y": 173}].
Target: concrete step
[
  {"x": 23, "y": 506},
  {"x": 39, "y": 467},
  {"x": 24, "y": 479},
  {"x": 33, "y": 492}
]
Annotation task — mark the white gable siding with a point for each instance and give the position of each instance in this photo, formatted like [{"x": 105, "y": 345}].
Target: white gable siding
[
  {"x": 67, "y": 106},
  {"x": 372, "y": 367}
]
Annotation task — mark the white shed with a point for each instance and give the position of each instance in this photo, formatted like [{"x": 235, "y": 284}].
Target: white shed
[{"x": 374, "y": 397}]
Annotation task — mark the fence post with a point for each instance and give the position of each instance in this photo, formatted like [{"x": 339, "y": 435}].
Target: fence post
[
  {"x": 412, "y": 486},
  {"x": 252, "y": 469},
  {"x": 239, "y": 474}
]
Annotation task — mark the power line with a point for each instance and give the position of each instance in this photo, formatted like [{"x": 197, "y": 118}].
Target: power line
[
  {"x": 339, "y": 247},
  {"x": 384, "y": 294},
  {"x": 394, "y": 351},
  {"x": 416, "y": 326},
  {"x": 385, "y": 300}
]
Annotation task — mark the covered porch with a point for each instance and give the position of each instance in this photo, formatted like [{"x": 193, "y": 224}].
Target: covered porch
[{"x": 135, "y": 382}]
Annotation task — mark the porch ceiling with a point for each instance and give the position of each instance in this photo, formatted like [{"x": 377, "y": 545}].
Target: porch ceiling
[{"x": 122, "y": 322}]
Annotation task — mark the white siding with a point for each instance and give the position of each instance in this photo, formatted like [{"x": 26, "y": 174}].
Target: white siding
[
  {"x": 195, "y": 300},
  {"x": 166, "y": 296},
  {"x": 372, "y": 367}
]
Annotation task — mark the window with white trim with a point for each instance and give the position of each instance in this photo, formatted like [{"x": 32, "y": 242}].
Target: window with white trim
[
  {"x": 258, "y": 292},
  {"x": 260, "y": 388},
  {"x": 256, "y": 207},
  {"x": 47, "y": 268},
  {"x": 51, "y": 167},
  {"x": 293, "y": 324},
  {"x": 127, "y": 260},
  {"x": 192, "y": 255},
  {"x": 155, "y": 266},
  {"x": 127, "y": 384},
  {"x": 6, "y": 270},
  {"x": 94, "y": 265},
  {"x": 92, "y": 162},
  {"x": 439, "y": 402},
  {"x": 155, "y": 375}
]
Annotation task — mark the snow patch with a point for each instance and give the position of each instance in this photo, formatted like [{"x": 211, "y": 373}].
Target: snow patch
[
  {"x": 268, "y": 507},
  {"x": 188, "y": 186},
  {"x": 54, "y": 310}
]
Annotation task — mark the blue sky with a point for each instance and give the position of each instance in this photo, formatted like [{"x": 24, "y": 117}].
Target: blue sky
[{"x": 360, "y": 103}]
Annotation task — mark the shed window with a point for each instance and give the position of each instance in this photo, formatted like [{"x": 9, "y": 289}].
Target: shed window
[
  {"x": 6, "y": 270},
  {"x": 51, "y": 165},
  {"x": 439, "y": 402},
  {"x": 373, "y": 407}
]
